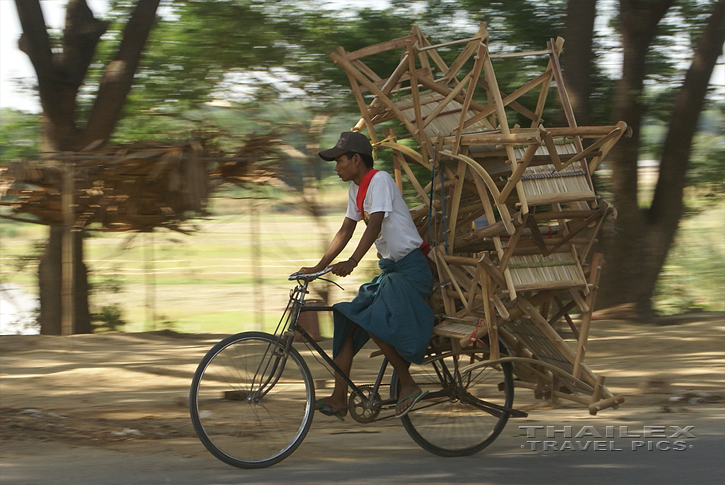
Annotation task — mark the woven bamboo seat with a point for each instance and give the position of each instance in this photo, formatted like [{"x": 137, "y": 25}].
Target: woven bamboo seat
[
  {"x": 536, "y": 272},
  {"x": 543, "y": 184},
  {"x": 456, "y": 328},
  {"x": 538, "y": 344},
  {"x": 444, "y": 123},
  {"x": 563, "y": 147},
  {"x": 542, "y": 349}
]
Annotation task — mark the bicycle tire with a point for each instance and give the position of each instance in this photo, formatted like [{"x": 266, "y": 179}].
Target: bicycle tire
[
  {"x": 237, "y": 424},
  {"x": 459, "y": 416}
]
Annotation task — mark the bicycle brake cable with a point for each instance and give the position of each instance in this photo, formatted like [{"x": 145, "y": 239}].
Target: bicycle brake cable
[{"x": 330, "y": 281}]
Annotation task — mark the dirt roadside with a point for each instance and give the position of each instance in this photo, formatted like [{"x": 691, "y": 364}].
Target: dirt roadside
[{"x": 127, "y": 392}]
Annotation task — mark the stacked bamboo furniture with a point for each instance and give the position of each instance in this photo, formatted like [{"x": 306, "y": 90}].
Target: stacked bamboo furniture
[{"x": 510, "y": 211}]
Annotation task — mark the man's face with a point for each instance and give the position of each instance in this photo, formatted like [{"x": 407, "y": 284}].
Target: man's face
[{"x": 345, "y": 167}]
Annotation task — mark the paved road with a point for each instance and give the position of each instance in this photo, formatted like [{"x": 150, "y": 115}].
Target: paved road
[
  {"x": 389, "y": 456},
  {"x": 150, "y": 374}
]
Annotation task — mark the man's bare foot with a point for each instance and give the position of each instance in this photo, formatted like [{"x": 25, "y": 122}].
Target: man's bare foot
[{"x": 409, "y": 396}]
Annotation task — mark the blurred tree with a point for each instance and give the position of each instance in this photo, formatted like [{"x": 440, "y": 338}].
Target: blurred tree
[
  {"x": 241, "y": 51},
  {"x": 201, "y": 50},
  {"x": 292, "y": 48},
  {"x": 636, "y": 254},
  {"x": 578, "y": 63},
  {"x": 61, "y": 66},
  {"x": 653, "y": 86},
  {"x": 528, "y": 25}
]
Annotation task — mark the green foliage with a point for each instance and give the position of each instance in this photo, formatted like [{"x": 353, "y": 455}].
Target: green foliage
[
  {"x": 109, "y": 319},
  {"x": 18, "y": 261},
  {"x": 31, "y": 259},
  {"x": 671, "y": 51},
  {"x": 659, "y": 104},
  {"x": 239, "y": 53},
  {"x": 706, "y": 170},
  {"x": 671, "y": 55},
  {"x": 707, "y": 162},
  {"x": 19, "y": 135},
  {"x": 707, "y": 165},
  {"x": 526, "y": 24},
  {"x": 110, "y": 283},
  {"x": 188, "y": 54},
  {"x": 238, "y": 50}
]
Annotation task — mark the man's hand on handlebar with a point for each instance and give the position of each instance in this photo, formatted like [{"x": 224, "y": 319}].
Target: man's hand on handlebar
[
  {"x": 307, "y": 275},
  {"x": 344, "y": 268},
  {"x": 311, "y": 269}
]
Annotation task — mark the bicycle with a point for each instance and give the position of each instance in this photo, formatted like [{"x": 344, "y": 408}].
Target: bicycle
[{"x": 252, "y": 398}]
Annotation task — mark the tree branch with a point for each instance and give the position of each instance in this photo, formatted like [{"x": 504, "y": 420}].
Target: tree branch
[
  {"x": 118, "y": 77},
  {"x": 639, "y": 24},
  {"x": 35, "y": 42},
  {"x": 80, "y": 37}
]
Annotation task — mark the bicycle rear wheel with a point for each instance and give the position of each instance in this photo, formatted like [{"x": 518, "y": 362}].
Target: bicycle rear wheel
[
  {"x": 464, "y": 412},
  {"x": 251, "y": 406}
]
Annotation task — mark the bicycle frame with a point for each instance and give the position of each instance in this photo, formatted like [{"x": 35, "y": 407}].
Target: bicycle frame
[
  {"x": 289, "y": 325},
  {"x": 267, "y": 386}
]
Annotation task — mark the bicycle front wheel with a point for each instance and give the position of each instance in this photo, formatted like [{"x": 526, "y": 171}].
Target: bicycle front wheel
[
  {"x": 251, "y": 403},
  {"x": 465, "y": 411}
]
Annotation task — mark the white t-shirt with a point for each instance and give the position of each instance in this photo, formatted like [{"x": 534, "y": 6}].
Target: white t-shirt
[{"x": 398, "y": 235}]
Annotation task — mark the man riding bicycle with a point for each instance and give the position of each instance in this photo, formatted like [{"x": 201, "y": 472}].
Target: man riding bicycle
[{"x": 391, "y": 309}]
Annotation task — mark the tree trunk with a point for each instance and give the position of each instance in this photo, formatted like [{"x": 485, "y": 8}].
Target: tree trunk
[
  {"x": 578, "y": 63},
  {"x": 50, "y": 282},
  {"x": 60, "y": 75},
  {"x": 118, "y": 77},
  {"x": 626, "y": 251},
  {"x": 636, "y": 254}
]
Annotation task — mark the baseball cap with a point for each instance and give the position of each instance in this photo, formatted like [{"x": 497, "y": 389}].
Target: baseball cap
[{"x": 350, "y": 141}]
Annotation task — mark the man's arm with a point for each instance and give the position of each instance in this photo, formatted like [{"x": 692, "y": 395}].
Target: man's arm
[
  {"x": 336, "y": 246},
  {"x": 372, "y": 232}
]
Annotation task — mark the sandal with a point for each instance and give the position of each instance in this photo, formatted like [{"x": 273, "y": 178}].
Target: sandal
[
  {"x": 328, "y": 410},
  {"x": 416, "y": 399}
]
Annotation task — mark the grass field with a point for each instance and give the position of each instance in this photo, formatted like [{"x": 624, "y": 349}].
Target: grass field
[
  {"x": 693, "y": 276},
  {"x": 232, "y": 274},
  {"x": 229, "y": 276}
]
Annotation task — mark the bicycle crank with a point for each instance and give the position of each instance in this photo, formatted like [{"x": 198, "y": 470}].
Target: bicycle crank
[{"x": 365, "y": 408}]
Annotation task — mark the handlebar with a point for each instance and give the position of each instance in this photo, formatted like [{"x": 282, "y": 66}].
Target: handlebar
[{"x": 309, "y": 276}]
